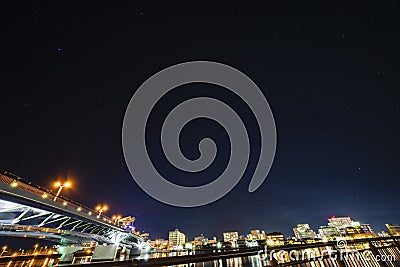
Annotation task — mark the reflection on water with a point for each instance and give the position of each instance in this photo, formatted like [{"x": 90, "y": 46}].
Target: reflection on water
[
  {"x": 163, "y": 254},
  {"x": 30, "y": 263},
  {"x": 253, "y": 261}
]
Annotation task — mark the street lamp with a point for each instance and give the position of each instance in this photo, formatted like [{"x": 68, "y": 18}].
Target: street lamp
[
  {"x": 100, "y": 209},
  {"x": 116, "y": 218},
  {"x": 60, "y": 187},
  {"x": 4, "y": 249},
  {"x": 35, "y": 248},
  {"x": 14, "y": 183}
]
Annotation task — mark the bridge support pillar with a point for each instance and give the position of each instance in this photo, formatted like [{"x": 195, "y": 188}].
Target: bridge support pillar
[{"x": 104, "y": 252}]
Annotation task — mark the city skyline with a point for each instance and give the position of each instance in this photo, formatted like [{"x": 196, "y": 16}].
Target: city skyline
[{"x": 300, "y": 231}]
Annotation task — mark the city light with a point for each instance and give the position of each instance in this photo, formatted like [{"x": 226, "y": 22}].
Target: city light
[
  {"x": 14, "y": 183},
  {"x": 342, "y": 230},
  {"x": 35, "y": 248},
  {"x": 3, "y": 250},
  {"x": 60, "y": 187},
  {"x": 101, "y": 209},
  {"x": 116, "y": 218}
]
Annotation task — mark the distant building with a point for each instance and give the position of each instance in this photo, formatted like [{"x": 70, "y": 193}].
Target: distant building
[
  {"x": 340, "y": 222},
  {"x": 328, "y": 232},
  {"x": 200, "y": 240},
  {"x": 345, "y": 227},
  {"x": 304, "y": 231},
  {"x": 176, "y": 238},
  {"x": 383, "y": 234},
  {"x": 159, "y": 243},
  {"x": 231, "y": 237},
  {"x": 275, "y": 239},
  {"x": 366, "y": 228},
  {"x": 126, "y": 222},
  {"x": 256, "y": 235},
  {"x": 213, "y": 241},
  {"x": 394, "y": 229}
]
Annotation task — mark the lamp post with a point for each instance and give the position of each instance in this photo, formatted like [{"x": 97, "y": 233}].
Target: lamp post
[
  {"x": 100, "y": 209},
  {"x": 116, "y": 218},
  {"x": 60, "y": 188},
  {"x": 4, "y": 249},
  {"x": 35, "y": 248}
]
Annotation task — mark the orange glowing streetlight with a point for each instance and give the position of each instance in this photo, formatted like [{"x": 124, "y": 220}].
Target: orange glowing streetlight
[
  {"x": 35, "y": 248},
  {"x": 60, "y": 187},
  {"x": 100, "y": 209},
  {"x": 116, "y": 218},
  {"x": 3, "y": 250},
  {"x": 14, "y": 183}
]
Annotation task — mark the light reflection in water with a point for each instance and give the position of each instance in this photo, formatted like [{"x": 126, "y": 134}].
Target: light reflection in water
[
  {"x": 30, "y": 263},
  {"x": 253, "y": 261}
]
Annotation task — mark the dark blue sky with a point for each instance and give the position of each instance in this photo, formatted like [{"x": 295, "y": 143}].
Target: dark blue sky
[{"x": 330, "y": 73}]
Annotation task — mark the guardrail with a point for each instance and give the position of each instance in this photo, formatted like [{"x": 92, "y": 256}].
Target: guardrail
[{"x": 14, "y": 181}]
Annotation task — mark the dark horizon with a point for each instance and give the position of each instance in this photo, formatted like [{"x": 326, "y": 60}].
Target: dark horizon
[{"x": 330, "y": 73}]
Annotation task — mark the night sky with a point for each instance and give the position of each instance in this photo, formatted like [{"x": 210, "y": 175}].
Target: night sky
[{"x": 330, "y": 72}]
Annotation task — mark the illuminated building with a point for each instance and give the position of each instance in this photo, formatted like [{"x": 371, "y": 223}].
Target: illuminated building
[
  {"x": 159, "y": 243},
  {"x": 176, "y": 238},
  {"x": 256, "y": 235},
  {"x": 231, "y": 237},
  {"x": 126, "y": 222},
  {"x": 394, "y": 229},
  {"x": 366, "y": 228},
  {"x": 328, "y": 233},
  {"x": 275, "y": 239},
  {"x": 383, "y": 234},
  {"x": 340, "y": 222},
  {"x": 200, "y": 240},
  {"x": 213, "y": 241},
  {"x": 304, "y": 231},
  {"x": 359, "y": 232},
  {"x": 345, "y": 227}
]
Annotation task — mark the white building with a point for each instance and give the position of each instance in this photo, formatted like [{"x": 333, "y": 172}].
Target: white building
[
  {"x": 176, "y": 238},
  {"x": 304, "y": 231},
  {"x": 231, "y": 237},
  {"x": 340, "y": 222}
]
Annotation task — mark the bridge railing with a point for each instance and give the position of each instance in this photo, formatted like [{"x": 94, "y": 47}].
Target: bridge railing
[{"x": 16, "y": 181}]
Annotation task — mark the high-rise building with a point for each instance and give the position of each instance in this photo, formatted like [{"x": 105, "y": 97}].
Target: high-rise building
[
  {"x": 304, "y": 231},
  {"x": 340, "y": 222},
  {"x": 394, "y": 229},
  {"x": 176, "y": 238}
]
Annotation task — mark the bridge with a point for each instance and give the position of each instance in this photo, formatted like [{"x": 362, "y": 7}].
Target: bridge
[{"x": 31, "y": 211}]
